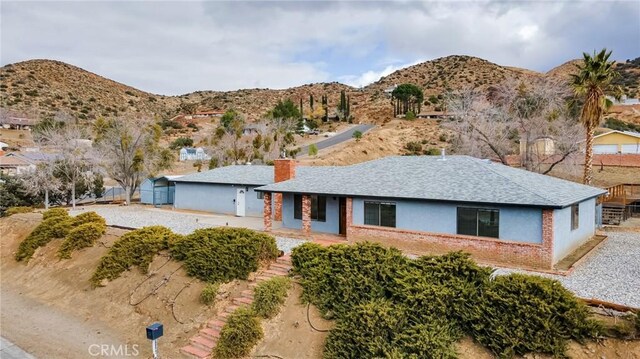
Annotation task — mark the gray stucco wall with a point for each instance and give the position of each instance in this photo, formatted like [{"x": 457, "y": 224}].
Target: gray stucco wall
[
  {"x": 520, "y": 224},
  {"x": 566, "y": 240},
  {"x": 332, "y": 224},
  {"x": 216, "y": 198}
]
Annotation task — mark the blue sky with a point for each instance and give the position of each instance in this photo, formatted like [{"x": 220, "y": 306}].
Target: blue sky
[{"x": 175, "y": 47}]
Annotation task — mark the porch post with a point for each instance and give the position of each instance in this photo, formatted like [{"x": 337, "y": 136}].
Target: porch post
[
  {"x": 547, "y": 238},
  {"x": 267, "y": 211},
  {"x": 306, "y": 214}
]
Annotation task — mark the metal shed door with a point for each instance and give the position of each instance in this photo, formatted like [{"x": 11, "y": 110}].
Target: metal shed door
[{"x": 240, "y": 202}]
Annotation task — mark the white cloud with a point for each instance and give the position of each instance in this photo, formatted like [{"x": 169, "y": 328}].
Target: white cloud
[
  {"x": 371, "y": 76},
  {"x": 178, "y": 47}
]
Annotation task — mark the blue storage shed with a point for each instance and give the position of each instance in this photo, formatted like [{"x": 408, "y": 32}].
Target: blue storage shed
[{"x": 158, "y": 191}]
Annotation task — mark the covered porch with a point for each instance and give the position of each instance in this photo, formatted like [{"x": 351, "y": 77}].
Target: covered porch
[{"x": 309, "y": 215}]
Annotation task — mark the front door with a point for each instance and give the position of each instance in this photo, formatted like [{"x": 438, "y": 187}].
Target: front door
[
  {"x": 240, "y": 192},
  {"x": 343, "y": 216}
]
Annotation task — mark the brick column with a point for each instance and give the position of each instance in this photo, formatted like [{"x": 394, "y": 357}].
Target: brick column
[
  {"x": 547, "y": 238},
  {"x": 306, "y": 214},
  {"x": 349, "y": 215},
  {"x": 267, "y": 211},
  {"x": 277, "y": 200}
]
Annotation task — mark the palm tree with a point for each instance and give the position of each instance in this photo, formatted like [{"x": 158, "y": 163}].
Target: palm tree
[{"x": 591, "y": 84}]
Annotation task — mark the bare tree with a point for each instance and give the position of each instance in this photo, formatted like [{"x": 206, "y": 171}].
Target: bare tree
[
  {"x": 74, "y": 160},
  {"x": 534, "y": 115},
  {"x": 43, "y": 181},
  {"x": 128, "y": 151}
]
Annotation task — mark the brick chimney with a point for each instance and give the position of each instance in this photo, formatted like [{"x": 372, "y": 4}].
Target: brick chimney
[{"x": 284, "y": 169}]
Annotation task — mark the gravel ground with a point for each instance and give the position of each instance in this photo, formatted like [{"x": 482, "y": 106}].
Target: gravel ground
[
  {"x": 179, "y": 222},
  {"x": 610, "y": 273}
]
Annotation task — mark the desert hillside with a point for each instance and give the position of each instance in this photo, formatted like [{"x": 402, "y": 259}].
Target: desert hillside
[{"x": 41, "y": 88}]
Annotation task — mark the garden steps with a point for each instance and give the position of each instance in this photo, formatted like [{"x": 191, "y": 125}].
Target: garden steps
[
  {"x": 202, "y": 344},
  {"x": 191, "y": 351}
]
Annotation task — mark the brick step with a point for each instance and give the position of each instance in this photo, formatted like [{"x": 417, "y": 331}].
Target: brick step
[
  {"x": 195, "y": 352},
  {"x": 274, "y": 273},
  {"x": 203, "y": 343},
  {"x": 232, "y": 308},
  {"x": 217, "y": 324},
  {"x": 284, "y": 260},
  {"x": 262, "y": 278},
  {"x": 242, "y": 301},
  {"x": 246, "y": 293},
  {"x": 253, "y": 285},
  {"x": 280, "y": 267},
  {"x": 223, "y": 316},
  {"x": 211, "y": 334}
]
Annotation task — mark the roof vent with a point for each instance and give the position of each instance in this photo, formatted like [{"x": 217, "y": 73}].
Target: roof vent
[{"x": 442, "y": 155}]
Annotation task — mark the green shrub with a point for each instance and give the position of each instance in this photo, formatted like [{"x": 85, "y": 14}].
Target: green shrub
[
  {"x": 82, "y": 236},
  {"x": 524, "y": 313},
  {"x": 343, "y": 276},
  {"x": 410, "y": 115},
  {"x": 239, "y": 335},
  {"x": 269, "y": 296},
  {"x": 15, "y": 210},
  {"x": 135, "y": 248},
  {"x": 55, "y": 212},
  {"x": 223, "y": 254},
  {"x": 367, "y": 331},
  {"x": 88, "y": 217},
  {"x": 48, "y": 229},
  {"x": 209, "y": 293}
]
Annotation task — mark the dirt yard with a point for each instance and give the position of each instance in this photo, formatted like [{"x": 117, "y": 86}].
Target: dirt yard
[{"x": 52, "y": 298}]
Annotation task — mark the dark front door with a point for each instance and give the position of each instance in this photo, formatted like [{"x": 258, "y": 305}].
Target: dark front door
[{"x": 343, "y": 216}]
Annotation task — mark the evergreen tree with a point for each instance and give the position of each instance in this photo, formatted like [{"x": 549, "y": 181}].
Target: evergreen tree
[{"x": 311, "y": 102}]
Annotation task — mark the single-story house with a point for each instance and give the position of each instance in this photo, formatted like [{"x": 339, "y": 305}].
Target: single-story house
[
  {"x": 625, "y": 142},
  {"x": 17, "y": 123},
  {"x": 15, "y": 166},
  {"x": 230, "y": 189},
  {"x": 497, "y": 213},
  {"x": 158, "y": 190},
  {"x": 193, "y": 154}
]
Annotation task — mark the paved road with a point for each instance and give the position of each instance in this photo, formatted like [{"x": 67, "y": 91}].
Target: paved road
[
  {"x": 8, "y": 350},
  {"x": 339, "y": 138}
]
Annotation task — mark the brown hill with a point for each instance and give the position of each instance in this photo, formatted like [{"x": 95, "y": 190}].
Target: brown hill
[{"x": 42, "y": 87}]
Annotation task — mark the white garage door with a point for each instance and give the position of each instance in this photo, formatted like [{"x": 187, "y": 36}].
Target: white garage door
[
  {"x": 605, "y": 149},
  {"x": 631, "y": 149}
]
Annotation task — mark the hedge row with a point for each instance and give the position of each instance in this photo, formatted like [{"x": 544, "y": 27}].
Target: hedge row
[
  {"x": 83, "y": 236},
  {"x": 78, "y": 232},
  {"x": 135, "y": 248},
  {"x": 223, "y": 254},
  {"x": 213, "y": 255},
  {"x": 387, "y": 305},
  {"x": 56, "y": 224}
]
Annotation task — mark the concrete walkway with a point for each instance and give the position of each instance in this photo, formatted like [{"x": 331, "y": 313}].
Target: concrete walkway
[{"x": 8, "y": 350}]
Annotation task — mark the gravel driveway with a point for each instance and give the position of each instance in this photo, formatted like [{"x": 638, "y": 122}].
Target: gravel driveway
[
  {"x": 180, "y": 222},
  {"x": 610, "y": 273}
]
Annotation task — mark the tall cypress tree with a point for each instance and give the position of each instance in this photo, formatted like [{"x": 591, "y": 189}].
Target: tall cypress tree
[{"x": 311, "y": 102}]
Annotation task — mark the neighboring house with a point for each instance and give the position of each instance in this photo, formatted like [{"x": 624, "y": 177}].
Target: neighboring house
[
  {"x": 205, "y": 114},
  {"x": 497, "y": 213},
  {"x": 13, "y": 165},
  {"x": 539, "y": 147},
  {"x": 230, "y": 189},
  {"x": 624, "y": 101},
  {"x": 3, "y": 146},
  {"x": 193, "y": 154},
  {"x": 389, "y": 90},
  {"x": 17, "y": 123},
  {"x": 615, "y": 141},
  {"x": 251, "y": 130},
  {"x": 437, "y": 115},
  {"x": 158, "y": 190}
]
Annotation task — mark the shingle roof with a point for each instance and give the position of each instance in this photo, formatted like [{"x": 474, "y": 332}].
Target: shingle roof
[
  {"x": 458, "y": 178},
  {"x": 247, "y": 174}
]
